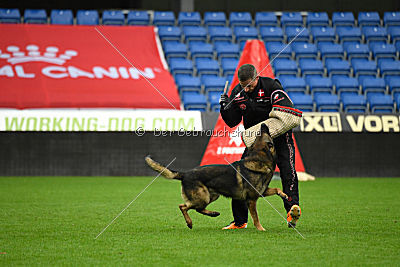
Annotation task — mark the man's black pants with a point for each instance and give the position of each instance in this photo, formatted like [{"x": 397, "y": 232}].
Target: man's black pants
[{"x": 284, "y": 146}]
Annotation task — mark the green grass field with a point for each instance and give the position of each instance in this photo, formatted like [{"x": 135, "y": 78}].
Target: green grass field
[{"x": 54, "y": 220}]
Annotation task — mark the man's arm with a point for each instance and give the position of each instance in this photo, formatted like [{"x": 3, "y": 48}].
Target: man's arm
[{"x": 231, "y": 115}]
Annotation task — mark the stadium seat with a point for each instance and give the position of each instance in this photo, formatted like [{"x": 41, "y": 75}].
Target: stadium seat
[
  {"x": 364, "y": 67},
  {"x": 319, "y": 84},
  {"x": 297, "y": 34},
  {"x": 10, "y": 15},
  {"x": 213, "y": 100},
  {"x": 374, "y": 84},
  {"x": 113, "y": 17},
  {"x": 175, "y": 49},
  {"x": 383, "y": 51},
  {"x": 327, "y": 103},
  {"x": 265, "y": 19},
  {"x": 206, "y": 66},
  {"x": 343, "y": 19},
  {"x": 169, "y": 33},
  {"x": 219, "y": 33},
  {"x": 180, "y": 65},
  {"x": 200, "y": 49},
  {"x": 391, "y": 18},
  {"x": 271, "y": 34},
  {"x": 311, "y": 66},
  {"x": 323, "y": 33},
  {"x": 373, "y": 33},
  {"x": 164, "y": 18},
  {"x": 87, "y": 17},
  {"x": 354, "y": 103},
  {"x": 389, "y": 68},
  {"x": 61, "y": 17},
  {"x": 226, "y": 50},
  {"x": 213, "y": 83},
  {"x": 279, "y": 50},
  {"x": 196, "y": 33},
  {"x": 214, "y": 19},
  {"x": 304, "y": 50},
  {"x": 291, "y": 19},
  {"x": 317, "y": 19},
  {"x": 330, "y": 50},
  {"x": 293, "y": 84},
  {"x": 194, "y": 101},
  {"x": 302, "y": 101},
  {"x": 240, "y": 19},
  {"x": 393, "y": 83},
  {"x": 356, "y": 50},
  {"x": 189, "y": 18},
  {"x": 380, "y": 103},
  {"x": 188, "y": 83},
  {"x": 394, "y": 33},
  {"x": 346, "y": 84},
  {"x": 284, "y": 66},
  {"x": 397, "y": 44},
  {"x": 245, "y": 33},
  {"x": 138, "y": 18},
  {"x": 346, "y": 33},
  {"x": 337, "y": 66},
  {"x": 228, "y": 66},
  {"x": 368, "y": 19},
  {"x": 37, "y": 16}
]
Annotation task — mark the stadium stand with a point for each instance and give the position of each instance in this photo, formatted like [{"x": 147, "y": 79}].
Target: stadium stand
[
  {"x": 87, "y": 17},
  {"x": 113, "y": 17},
  {"x": 37, "y": 16},
  {"x": 61, "y": 17},
  {"x": 138, "y": 18}
]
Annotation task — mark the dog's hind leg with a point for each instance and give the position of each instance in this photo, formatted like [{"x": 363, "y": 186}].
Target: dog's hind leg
[
  {"x": 184, "y": 208},
  {"x": 252, "y": 204},
  {"x": 275, "y": 191}
]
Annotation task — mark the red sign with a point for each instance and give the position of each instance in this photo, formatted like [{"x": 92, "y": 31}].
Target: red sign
[{"x": 51, "y": 66}]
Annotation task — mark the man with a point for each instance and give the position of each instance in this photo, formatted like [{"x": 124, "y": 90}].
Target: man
[{"x": 253, "y": 99}]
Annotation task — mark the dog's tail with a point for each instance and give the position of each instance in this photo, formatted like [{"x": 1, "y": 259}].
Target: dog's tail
[{"x": 169, "y": 174}]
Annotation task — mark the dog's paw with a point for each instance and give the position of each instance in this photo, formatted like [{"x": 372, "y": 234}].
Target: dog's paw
[
  {"x": 215, "y": 214},
  {"x": 190, "y": 225},
  {"x": 283, "y": 195}
]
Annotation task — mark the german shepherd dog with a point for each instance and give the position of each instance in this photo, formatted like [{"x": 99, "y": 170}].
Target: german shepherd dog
[{"x": 246, "y": 179}]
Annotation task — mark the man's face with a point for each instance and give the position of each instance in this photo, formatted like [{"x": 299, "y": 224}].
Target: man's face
[{"x": 249, "y": 85}]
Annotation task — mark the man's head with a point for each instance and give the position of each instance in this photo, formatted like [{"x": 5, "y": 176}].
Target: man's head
[{"x": 248, "y": 78}]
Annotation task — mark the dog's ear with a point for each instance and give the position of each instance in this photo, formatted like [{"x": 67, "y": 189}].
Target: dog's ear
[
  {"x": 256, "y": 165},
  {"x": 264, "y": 128}
]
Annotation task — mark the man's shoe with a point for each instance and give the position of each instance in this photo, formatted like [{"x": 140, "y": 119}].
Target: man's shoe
[
  {"x": 232, "y": 225},
  {"x": 293, "y": 216}
]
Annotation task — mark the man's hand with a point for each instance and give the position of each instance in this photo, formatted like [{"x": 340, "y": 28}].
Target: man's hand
[{"x": 223, "y": 100}]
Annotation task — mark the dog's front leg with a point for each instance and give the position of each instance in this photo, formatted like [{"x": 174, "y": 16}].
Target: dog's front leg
[{"x": 252, "y": 204}]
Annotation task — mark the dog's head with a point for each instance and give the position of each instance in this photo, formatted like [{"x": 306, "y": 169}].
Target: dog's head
[{"x": 262, "y": 154}]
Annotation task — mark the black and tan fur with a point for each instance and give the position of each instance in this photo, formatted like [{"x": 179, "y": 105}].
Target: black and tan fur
[{"x": 204, "y": 184}]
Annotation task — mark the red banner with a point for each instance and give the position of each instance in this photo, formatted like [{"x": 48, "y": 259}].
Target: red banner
[
  {"x": 227, "y": 142},
  {"x": 51, "y": 66}
]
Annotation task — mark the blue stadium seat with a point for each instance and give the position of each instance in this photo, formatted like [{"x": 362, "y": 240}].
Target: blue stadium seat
[
  {"x": 364, "y": 67},
  {"x": 369, "y": 19},
  {"x": 214, "y": 19},
  {"x": 327, "y": 103},
  {"x": 194, "y": 101},
  {"x": 323, "y": 33},
  {"x": 213, "y": 99},
  {"x": 228, "y": 66},
  {"x": 169, "y": 33},
  {"x": 61, "y": 17},
  {"x": 346, "y": 84},
  {"x": 245, "y": 33},
  {"x": 203, "y": 50},
  {"x": 291, "y": 19},
  {"x": 357, "y": 51},
  {"x": 196, "y": 33},
  {"x": 113, "y": 17},
  {"x": 219, "y": 33},
  {"x": 279, "y": 50},
  {"x": 397, "y": 44},
  {"x": 330, "y": 50},
  {"x": 319, "y": 84},
  {"x": 373, "y": 33},
  {"x": 10, "y": 15},
  {"x": 37, "y": 16},
  {"x": 175, "y": 49},
  {"x": 346, "y": 33},
  {"x": 354, "y": 103},
  {"x": 393, "y": 83},
  {"x": 389, "y": 68},
  {"x": 180, "y": 65},
  {"x": 337, "y": 66},
  {"x": 87, "y": 17},
  {"x": 304, "y": 50},
  {"x": 164, "y": 18},
  {"x": 189, "y": 18},
  {"x": 240, "y": 19},
  {"x": 398, "y": 102},
  {"x": 284, "y": 66},
  {"x": 343, "y": 19},
  {"x": 206, "y": 66},
  {"x": 311, "y": 66},
  {"x": 226, "y": 50},
  {"x": 302, "y": 101},
  {"x": 380, "y": 103},
  {"x": 391, "y": 18},
  {"x": 271, "y": 34},
  {"x": 297, "y": 34},
  {"x": 266, "y": 19},
  {"x": 293, "y": 84},
  {"x": 394, "y": 33},
  {"x": 374, "y": 84},
  {"x": 383, "y": 51},
  {"x": 188, "y": 83},
  {"x": 136, "y": 17},
  {"x": 317, "y": 19},
  {"x": 213, "y": 83}
]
